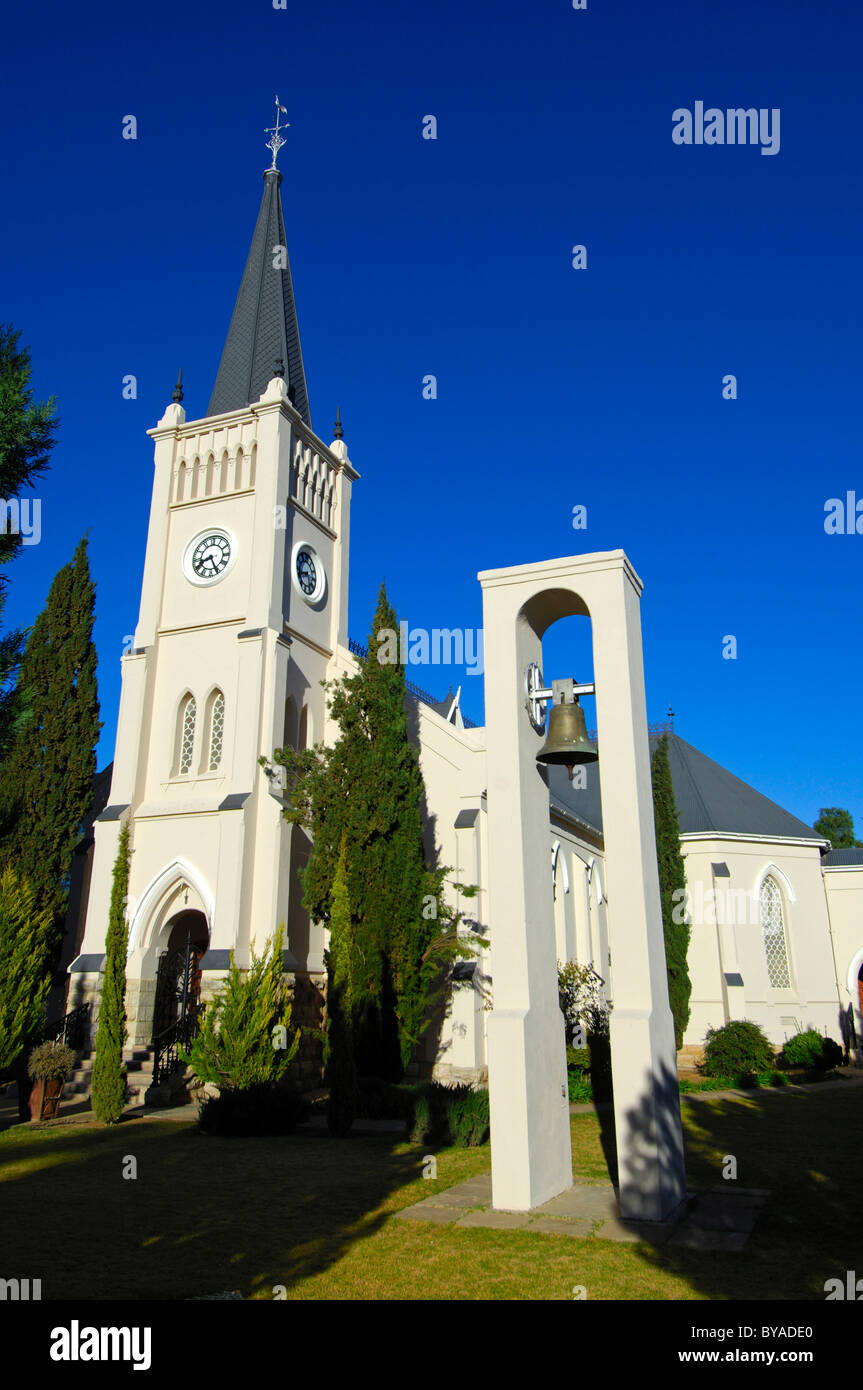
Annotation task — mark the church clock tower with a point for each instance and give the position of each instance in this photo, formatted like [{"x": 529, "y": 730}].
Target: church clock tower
[{"x": 243, "y": 614}]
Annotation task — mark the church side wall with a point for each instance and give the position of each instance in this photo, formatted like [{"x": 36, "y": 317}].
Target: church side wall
[{"x": 728, "y": 952}]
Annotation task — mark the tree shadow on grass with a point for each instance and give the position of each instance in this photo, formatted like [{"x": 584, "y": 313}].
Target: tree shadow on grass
[
  {"x": 203, "y": 1215},
  {"x": 803, "y": 1147}
]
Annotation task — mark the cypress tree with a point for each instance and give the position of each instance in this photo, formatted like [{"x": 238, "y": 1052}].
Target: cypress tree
[
  {"x": 369, "y": 789},
  {"x": 339, "y": 1068},
  {"x": 672, "y": 881},
  {"x": 50, "y": 770},
  {"x": 25, "y": 967},
  {"x": 108, "y": 1093},
  {"x": 27, "y": 434}
]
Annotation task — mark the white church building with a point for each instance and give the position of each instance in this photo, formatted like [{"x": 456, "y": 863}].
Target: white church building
[{"x": 244, "y": 612}]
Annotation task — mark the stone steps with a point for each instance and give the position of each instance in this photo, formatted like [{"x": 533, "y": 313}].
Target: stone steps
[{"x": 139, "y": 1072}]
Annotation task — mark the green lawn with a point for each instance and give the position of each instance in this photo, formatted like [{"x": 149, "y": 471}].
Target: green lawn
[{"x": 205, "y": 1215}]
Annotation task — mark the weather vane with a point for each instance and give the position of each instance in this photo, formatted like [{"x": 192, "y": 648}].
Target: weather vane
[{"x": 276, "y": 139}]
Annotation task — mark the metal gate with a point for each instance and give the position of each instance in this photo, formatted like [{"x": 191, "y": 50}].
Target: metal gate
[{"x": 177, "y": 1008}]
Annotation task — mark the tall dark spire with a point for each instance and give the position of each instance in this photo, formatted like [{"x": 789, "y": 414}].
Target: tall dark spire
[{"x": 264, "y": 325}]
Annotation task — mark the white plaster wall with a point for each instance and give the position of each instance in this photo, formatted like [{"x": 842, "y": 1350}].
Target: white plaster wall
[{"x": 812, "y": 998}]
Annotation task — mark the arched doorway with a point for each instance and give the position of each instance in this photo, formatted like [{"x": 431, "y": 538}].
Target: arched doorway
[{"x": 177, "y": 1004}]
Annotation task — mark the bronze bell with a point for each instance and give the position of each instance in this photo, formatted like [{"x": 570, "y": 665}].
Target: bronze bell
[{"x": 567, "y": 743}]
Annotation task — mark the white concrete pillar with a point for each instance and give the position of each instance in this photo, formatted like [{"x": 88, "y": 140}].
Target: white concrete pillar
[{"x": 531, "y": 1159}]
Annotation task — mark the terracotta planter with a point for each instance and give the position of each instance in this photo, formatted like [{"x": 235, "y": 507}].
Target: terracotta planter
[{"x": 45, "y": 1098}]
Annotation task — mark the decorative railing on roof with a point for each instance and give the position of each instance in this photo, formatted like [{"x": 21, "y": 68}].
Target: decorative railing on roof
[{"x": 418, "y": 693}]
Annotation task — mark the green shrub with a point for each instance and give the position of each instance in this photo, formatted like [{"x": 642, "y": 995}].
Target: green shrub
[
  {"x": 51, "y": 1062},
  {"x": 580, "y": 1089},
  {"x": 578, "y": 1058},
  {"x": 443, "y": 1115},
  {"x": 256, "y": 1110},
  {"x": 237, "y": 1045},
  {"x": 810, "y": 1049},
  {"x": 738, "y": 1048},
  {"x": 421, "y": 1126},
  {"x": 468, "y": 1118},
  {"x": 779, "y": 1079}
]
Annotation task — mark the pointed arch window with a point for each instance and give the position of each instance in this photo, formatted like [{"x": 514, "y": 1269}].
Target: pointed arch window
[
  {"x": 217, "y": 730},
  {"x": 773, "y": 934},
  {"x": 188, "y": 716}
]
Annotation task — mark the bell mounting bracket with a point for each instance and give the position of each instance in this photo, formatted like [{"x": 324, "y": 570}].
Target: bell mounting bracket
[{"x": 561, "y": 692}]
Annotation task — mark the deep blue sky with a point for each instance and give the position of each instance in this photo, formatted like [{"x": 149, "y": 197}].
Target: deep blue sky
[{"x": 409, "y": 257}]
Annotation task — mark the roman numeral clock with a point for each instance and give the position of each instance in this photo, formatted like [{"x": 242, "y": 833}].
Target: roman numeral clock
[{"x": 209, "y": 556}]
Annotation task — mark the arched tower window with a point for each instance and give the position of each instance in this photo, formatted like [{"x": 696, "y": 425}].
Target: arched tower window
[
  {"x": 186, "y": 735},
  {"x": 217, "y": 730},
  {"x": 773, "y": 933}
]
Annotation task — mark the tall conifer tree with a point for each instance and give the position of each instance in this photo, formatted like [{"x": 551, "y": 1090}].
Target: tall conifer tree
[
  {"x": 369, "y": 789},
  {"x": 27, "y": 434},
  {"x": 25, "y": 967},
  {"x": 672, "y": 879},
  {"x": 108, "y": 1092},
  {"x": 50, "y": 770},
  {"x": 342, "y": 971}
]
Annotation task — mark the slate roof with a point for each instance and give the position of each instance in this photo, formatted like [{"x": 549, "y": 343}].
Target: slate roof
[
  {"x": 264, "y": 326},
  {"x": 843, "y": 858},
  {"x": 709, "y": 798}
]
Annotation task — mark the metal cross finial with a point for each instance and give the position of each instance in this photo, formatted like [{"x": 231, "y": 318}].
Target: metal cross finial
[{"x": 276, "y": 139}]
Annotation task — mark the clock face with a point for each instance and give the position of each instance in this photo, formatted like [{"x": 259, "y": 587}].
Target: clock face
[
  {"x": 211, "y": 555},
  {"x": 306, "y": 572}
]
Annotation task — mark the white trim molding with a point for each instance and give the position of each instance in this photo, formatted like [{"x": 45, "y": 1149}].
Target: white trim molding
[{"x": 180, "y": 870}]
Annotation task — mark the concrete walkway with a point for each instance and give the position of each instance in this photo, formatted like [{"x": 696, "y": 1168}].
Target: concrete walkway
[{"x": 716, "y": 1219}]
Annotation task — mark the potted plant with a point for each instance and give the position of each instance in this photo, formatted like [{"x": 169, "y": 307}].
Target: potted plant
[{"x": 49, "y": 1066}]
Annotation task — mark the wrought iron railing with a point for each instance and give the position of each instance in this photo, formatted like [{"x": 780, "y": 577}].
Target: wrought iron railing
[
  {"x": 166, "y": 1045},
  {"x": 418, "y": 693},
  {"x": 73, "y": 1029}
]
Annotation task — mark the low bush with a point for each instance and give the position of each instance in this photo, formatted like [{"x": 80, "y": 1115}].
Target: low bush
[
  {"x": 422, "y": 1129},
  {"x": 442, "y": 1115},
  {"x": 580, "y": 1089},
  {"x": 256, "y": 1110},
  {"x": 51, "y": 1062},
  {"x": 578, "y": 1058},
  {"x": 738, "y": 1048},
  {"x": 469, "y": 1120},
  {"x": 810, "y": 1049}
]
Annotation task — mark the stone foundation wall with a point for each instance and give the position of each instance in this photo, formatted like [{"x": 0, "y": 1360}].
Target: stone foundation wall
[
  {"x": 86, "y": 989},
  {"x": 449, "y": 1075},
  {"x": 140, "y": 999}
]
